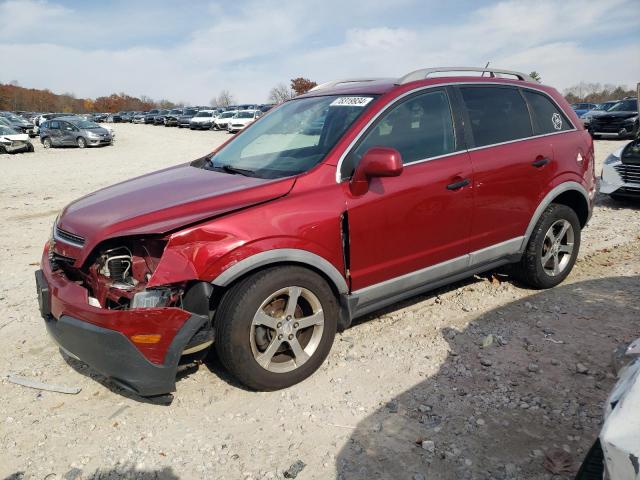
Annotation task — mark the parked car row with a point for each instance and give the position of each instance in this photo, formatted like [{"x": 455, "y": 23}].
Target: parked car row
[
  {"x": 198, "y": 118},
  {"x": 616, "y": 118}
]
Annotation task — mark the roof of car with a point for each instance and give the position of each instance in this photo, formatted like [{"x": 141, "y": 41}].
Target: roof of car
[{"x": 427, "y": 76}]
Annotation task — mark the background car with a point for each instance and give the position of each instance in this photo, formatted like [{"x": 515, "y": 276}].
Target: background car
[
  {"x": 621, "y": 120},
  {"x": 171, "y": 118},
  {"x": 12, "y": 141},
  {"x": 242, "y": 119},
  {"x": 139, "y": 117},
  {"x": 71, "y": 131},
  {"x": 620, "y": 176},
  {"x": 203, "y": 120},
  {"x": 599, "y": 110},
  {"x": 150, "y": 117},
  {"x": 222, "y": 120},
  {"x": 114, "y": 118},
  {"x": 582, "y": 108},
  {"x": 159, "y": 118},
  {"x": 185, "y": 119},
  {"x": 615, "y": 453},
  {"x": 19, "y": 124}
]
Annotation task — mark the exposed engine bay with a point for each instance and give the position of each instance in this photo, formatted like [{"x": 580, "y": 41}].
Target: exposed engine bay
[{"x": 116, "y": 276}]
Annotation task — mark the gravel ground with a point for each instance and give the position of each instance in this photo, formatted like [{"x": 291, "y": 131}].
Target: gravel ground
[{"x": 481, "y": 379}]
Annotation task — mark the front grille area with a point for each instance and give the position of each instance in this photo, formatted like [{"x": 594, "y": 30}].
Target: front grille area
[
  {"x": 629, "y": 173},
  {"x": 69, "y": 237},
  {"x": 611, "y": 125}
]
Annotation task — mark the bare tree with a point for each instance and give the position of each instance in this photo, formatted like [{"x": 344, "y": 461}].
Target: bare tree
[
  {"x": 536, "y": 76},
  {"x": 280, "y": 93},
  {"x": 225, "y": 98},
  {"x": 213, "y": 103}
]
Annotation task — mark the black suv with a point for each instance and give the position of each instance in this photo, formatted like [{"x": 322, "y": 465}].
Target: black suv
[{"x": 620, "y": 121}]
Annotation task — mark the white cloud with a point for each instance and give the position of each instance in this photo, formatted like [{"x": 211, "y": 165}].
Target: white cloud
[{"x": 257, "y": 44}]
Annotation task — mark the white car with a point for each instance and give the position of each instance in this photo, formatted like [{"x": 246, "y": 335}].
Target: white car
[
  {"x": 203, "y": 120},
  {"x": 13, "y": 142},
  {"x": 616, "y": 454},
  {"x": 243, "y": 118},
  {"x": 222, "y": 120},
  {"x": 621, "y": 172}
]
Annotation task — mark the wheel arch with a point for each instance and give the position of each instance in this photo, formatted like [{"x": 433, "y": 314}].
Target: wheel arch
[
  {"x": 283, "y": 256},
  {"x": 571, "y": 194}
]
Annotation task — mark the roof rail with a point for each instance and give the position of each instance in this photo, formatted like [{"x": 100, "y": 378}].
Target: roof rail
[
  {"x": 334, "y": 83},
  {"x": 493, "y": 72}
]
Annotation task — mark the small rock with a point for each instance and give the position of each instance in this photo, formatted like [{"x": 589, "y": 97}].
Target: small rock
[
  {"x": 73, "y": 474},
  {"x": 428, "y": 445},
  {"x": 392, "y": 406},
  {"x": 486, "y": 362},
  {"x": 533, "y": 368},
  {"x": 295, "y": 469},
  {"x": 424, "y": 408},
  {"x": 581, "y": 369},
  {"x": 419, "y": 476},
  {"x": 480, "y": 422},
  {"x": 554, "y": 362}
]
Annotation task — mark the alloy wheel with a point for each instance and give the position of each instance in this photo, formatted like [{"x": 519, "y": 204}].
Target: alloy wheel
[
  {"x": 557, "y": 247},
  {"x": 287, "y": 329}
]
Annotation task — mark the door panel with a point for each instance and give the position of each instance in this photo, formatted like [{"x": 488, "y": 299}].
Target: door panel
[
  {"x": 507, "y": 189},
  {"x": 422, "y": 217},
  {"x": 413, "y": 221}
]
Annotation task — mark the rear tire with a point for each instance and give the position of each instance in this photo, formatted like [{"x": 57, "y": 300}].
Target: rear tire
[
  {"x": 261, "y": 337},
  {"x": 46, "y": 142},
  {"x": 552, "y": 248}
]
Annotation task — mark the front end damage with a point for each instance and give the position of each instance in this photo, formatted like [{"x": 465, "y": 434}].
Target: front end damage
[{"x": 105, "y": 312}]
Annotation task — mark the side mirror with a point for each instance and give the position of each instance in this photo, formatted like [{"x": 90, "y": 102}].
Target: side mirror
[{"x": 376, "y": 162}]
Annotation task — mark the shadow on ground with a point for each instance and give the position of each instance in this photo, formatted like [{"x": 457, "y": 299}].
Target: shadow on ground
[
  {"x": 492, "y": 412},
  {"x": 122, "y": 472}
]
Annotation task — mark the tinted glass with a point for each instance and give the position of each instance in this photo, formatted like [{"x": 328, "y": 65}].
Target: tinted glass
[
  {"x": 496, "y": 114},
  {"x": 625, "y": 106},
  {"x": 419, "y": 128},
  {"x": 547, "y": 118},
  {"x": 54, "y": 125}
]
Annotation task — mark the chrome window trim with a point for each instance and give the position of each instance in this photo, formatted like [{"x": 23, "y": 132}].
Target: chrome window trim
[{"x": 350, "y": 147}]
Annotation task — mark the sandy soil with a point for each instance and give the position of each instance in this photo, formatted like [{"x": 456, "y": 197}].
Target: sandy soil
[{"x": 413, "y": 372}]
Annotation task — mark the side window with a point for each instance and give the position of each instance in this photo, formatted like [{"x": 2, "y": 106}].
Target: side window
[
  {"x": 497, "y": 114},
  {"x": 547, "y": 118},
  {"x": 54, "y": 125},
  {"x": 419, "y": 128},
  {"x": 66, "y": 126}
]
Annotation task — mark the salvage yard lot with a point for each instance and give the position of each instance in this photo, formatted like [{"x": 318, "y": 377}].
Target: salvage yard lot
[{"x": 415, "y": 371}]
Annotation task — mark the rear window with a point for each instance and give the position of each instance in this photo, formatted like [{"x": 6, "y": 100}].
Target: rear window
[
  {"x": 547, "y": 118},
  {"x": 496, "y": 114}
]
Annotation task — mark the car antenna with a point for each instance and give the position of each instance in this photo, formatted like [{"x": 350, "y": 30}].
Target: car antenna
[{"x": 486, "y": 66}]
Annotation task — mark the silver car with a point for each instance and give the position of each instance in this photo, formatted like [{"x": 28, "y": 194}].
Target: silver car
[
  {"x": 621, "y": 172},
  {"x": 73, "y": 131}
]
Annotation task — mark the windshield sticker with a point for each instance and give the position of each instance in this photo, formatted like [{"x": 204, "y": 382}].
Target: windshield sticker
[
  {"x": 557, "y": 121},
  {"x": 351, "y": 102}
]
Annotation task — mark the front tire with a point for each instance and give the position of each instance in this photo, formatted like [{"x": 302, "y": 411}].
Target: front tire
[
  {"x": 552, "y": 248},
  {"x": 276, "y": 327},
  {"x": 81, "y": 142}
]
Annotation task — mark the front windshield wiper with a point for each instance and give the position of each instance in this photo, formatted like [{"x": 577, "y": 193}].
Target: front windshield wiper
[{"x": 232, "y": 170}]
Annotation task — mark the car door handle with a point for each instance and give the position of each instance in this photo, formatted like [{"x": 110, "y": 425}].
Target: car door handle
[
  {"x": 458, "y": 185},
  {"x": 541, "y": 162}
]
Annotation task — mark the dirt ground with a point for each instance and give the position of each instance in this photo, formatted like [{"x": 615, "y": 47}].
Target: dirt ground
[{"x": 415, "y": 372}]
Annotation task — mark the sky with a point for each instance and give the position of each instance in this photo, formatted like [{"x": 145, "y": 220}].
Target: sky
[{"x": 188, "y": 52}]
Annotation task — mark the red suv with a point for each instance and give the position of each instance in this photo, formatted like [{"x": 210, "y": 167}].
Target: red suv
[{"x": 354, "y": 196}]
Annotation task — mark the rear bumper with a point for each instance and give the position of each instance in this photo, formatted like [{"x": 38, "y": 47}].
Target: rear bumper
[{"x": 102, "y": 337}]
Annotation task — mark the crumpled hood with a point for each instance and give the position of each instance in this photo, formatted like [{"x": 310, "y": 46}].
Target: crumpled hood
[{"x": 163, "y": 201}]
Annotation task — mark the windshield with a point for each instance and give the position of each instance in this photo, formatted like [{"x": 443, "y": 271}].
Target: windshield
[
  {"x": 227, "y": 114},
  {"x": 204, "y": 114},
  {"x": 292, "y": 138},
  {"x": 190, "y": 112},
  {"x": 244, "y": 115},
  {"x": 176, "y": 111},
  {"x": 7, "y": 131},
  {"x": 625, "y": 106},
  {"x": 85, "y": 124}
]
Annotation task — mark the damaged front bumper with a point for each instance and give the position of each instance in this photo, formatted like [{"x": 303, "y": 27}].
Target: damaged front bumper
[{"x": 105, "y": 339}]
